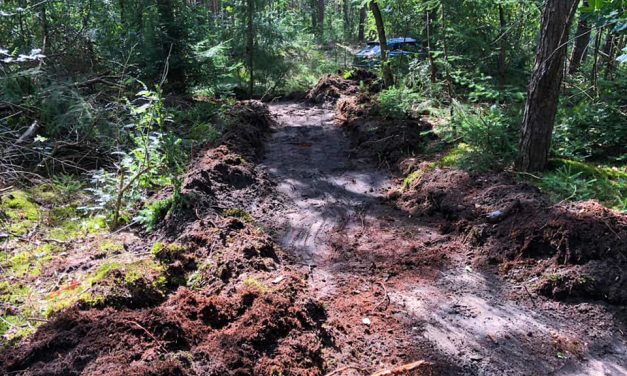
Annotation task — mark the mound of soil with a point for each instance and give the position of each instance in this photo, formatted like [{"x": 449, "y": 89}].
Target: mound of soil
[
  {"x": 226, "y": 177},
  {"x": 569, "y": 250},
  {"x": 373, "y": 137},
  {"x": 385, "y": 140},
  {"x": 249, "y": 332},
  {"x": 250, "y": 124},
  {"x": 227, "y": 304},
  {"x": 331, "y": 87}
]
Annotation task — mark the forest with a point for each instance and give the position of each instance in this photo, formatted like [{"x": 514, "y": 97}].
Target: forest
[{"x": 313, "y": 187}]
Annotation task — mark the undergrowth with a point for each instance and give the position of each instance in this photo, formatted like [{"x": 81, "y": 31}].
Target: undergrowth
[{"x": 578, "y": 181}]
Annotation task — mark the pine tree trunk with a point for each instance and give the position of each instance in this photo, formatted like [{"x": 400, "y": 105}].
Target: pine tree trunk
[
  {"x": 449, "y": 84},
  {"x": 320, "y": 20},
  {"x": 595, "y": 64},
  {"x": 45, "y": 33},
  {"x": 346, "y": 14},
  {"x": 388, "y": 78},
  {"x": 172, "y": 46},
  {"x": 250, "y": 46},
  {"x": 361, "y": 33},
  {"x": 502, "y": 68},
  {"x": 582, "y": 38},
  {"x": 544, "y": 85},
  {"x": 432, "y": 66}
]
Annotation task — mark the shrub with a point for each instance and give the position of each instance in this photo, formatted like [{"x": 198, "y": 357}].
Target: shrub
[
  {"x": 487, "y": 138},
  {"x": 572, "y": 180},
  {"x": 398, "y": 102}
]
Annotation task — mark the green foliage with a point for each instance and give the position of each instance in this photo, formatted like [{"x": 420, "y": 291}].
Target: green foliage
[
  {"x": 487, "y": 138},
  {"x": 593, "y": 128},
  {"x": 153, "y": 213},
  {"x": 572, "y": 180},
  {"x": 398, "y": 102},
  {"x": 239, "y": 213},
  {"x": 155, "y": 161}
]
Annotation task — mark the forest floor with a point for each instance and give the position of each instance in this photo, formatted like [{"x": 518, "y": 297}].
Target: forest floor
[
  {"x": 301, "y": 256},
  {"x": 413, "y": 284}
]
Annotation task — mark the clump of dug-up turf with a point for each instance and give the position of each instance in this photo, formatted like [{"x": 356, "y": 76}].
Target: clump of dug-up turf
[
  {"x": 564, "y": 251},
  {"x": 332, "y": 87},
  {"x": 225, "y": 303}
]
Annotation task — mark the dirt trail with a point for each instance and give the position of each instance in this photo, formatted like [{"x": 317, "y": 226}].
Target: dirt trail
[{"x": 397, "y": 289}]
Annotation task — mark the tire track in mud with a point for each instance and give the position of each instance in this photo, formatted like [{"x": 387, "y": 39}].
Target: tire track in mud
[{"x": 396, "y": 289}]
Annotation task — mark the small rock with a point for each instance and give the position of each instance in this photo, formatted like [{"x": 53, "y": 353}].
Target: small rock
[
  {"x": 495, "y": 216},
  {"x": 366, "y": 321},
  {"x": 278, "y": 279}
]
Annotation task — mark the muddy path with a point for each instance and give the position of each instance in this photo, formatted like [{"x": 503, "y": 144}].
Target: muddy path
[{"x": 398, "y": 289}]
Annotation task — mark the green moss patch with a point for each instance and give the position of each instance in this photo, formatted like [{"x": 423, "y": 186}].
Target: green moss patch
[{"x": 239, "y": 213}]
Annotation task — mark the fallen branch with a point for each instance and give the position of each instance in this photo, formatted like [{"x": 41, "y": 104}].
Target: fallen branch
[
  {"x": 401, "y": 369},
  {"x": 342, "y": 369},
  {"x": 28, "y": 133}
]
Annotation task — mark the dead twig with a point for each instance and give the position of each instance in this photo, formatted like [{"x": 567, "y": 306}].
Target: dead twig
[
  {"x": 386, "y": 297},
  {"x": 157, "y": 341},
  {"x": 533, "y": 301},
  {"x": 401, "y": 369},
  {"x": 346, "y": 368}
]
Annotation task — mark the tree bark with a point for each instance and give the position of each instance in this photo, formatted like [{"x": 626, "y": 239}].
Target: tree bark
[
  {"x": 544, "y": 85},
  {"x": 595, "y": 64},
  {"x": 447, "y": 68},
  {"x": 45, "y": 33},
  {"x": 502, "y": 67},
  {"x": 582, "y": 38},
  {"x": 432, "y": 66},
  {"x": 608, "y": 53},
  {"x": 172, "y": 45},
  {"x": 388, "y": 77},
  {"x": 250, "y": 46},
  {"x": 346, "y": 14},
  {"x": 320, "y": 20},
  {"x": 361, "y": 33}
]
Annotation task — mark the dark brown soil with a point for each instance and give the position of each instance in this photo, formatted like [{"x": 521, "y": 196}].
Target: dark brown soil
[
  {"x": 374, "y": 137},
  {"x": 245, "y": 312},
  {"x": 575, "y": 250},
  {"x": 331, "y": 87},
  {"x": 291, "y": 257}
]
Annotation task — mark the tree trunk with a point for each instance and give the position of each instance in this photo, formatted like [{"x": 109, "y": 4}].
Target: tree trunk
[
  {"x": 361, "y": 33},
  {"x": 595, "y": 65},
  {"x": 388, "y": 77},
  {"x": 447, "y": 68},
  {"x": 432, "y": 66},
  {"x": 608, "y": 53},
  {"x": 346, "y": 13},
  {"x": 172, "y": 46},
  {"x": 250, "y": 46},
  {"x": 320, "y": 20},
  {"x": 582, "y": 38},
  {"x": 45, "y": 33},
  {"x": 544, "y": 85},
  {"x": 502, "y": 67}
]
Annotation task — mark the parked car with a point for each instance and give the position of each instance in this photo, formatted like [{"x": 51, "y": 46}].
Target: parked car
[{"x": 397, "y": 47}]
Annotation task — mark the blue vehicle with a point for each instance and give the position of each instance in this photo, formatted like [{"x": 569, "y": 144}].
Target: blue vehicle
[{"x": 397, "y": 47}]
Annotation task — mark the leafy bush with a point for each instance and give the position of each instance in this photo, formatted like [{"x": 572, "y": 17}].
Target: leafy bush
[{"x": 155, "y": 161}]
